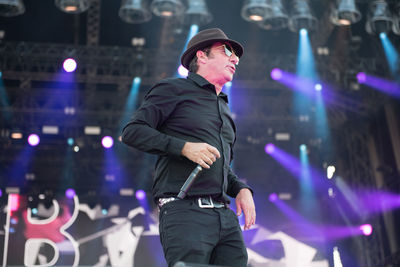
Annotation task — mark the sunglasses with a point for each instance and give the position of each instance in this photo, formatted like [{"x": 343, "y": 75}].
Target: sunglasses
[{"x": 229, "y": 51}]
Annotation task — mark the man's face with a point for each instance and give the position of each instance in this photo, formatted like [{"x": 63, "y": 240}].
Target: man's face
[{"x": 219, "y": 65}]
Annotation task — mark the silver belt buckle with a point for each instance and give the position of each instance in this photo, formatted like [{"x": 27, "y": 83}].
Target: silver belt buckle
[{"x": 206, "y": 206}]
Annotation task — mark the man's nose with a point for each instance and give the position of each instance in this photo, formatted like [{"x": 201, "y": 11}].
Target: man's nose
[{"x": 234, "y": 59}]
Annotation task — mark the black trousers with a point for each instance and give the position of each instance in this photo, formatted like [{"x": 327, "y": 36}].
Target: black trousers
[{"x": 208, "y": 236}]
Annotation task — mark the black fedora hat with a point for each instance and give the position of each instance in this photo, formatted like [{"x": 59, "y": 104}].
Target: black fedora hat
[{"x": 205, "y": 38}]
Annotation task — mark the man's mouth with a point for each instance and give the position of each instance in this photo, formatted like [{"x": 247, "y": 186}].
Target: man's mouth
[{"x": 232, "y": 68}]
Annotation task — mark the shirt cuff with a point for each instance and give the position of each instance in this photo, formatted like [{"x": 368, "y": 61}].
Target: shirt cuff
[
  {"x": 242, "y": 187},
  {"x": 175, "y": 146}
]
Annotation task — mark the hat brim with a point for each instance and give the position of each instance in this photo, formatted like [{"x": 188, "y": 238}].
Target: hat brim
[{"x": 188, "y": 55}]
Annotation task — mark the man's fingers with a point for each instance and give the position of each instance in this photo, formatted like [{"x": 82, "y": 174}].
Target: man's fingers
[
  {"x": 214, "y": 151},
  {"x": 250, "y": 217},
  {"x": 203, "y": 164},
  {"x": 238, "y": 211},
  {"x": 208, "y": 160}
]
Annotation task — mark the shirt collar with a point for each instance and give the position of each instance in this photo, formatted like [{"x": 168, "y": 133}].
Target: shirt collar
[{"x": 202, "y": 82}]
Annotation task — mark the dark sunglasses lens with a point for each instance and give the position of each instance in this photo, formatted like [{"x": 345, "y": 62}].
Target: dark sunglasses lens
[{"x": 228, "y": 50}]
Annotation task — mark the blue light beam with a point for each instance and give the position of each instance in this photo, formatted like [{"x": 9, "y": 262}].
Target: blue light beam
[{"x": 391, "y": 54}]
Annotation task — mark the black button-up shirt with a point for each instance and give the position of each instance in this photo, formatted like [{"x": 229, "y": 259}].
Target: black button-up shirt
[{"x": 176, "y": 111}]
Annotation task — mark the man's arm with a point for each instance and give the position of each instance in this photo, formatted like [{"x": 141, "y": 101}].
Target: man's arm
[
  {"x": 142, "y": 130},
  {"x": 244, "y": 199},
  {"x": 244, "y": 202}
]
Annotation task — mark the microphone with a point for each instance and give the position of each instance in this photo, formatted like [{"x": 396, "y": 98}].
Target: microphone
[{"x": 189, "y": 181}]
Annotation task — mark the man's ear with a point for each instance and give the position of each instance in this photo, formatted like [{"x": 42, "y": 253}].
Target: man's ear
[{"x": 201, "y": 56}]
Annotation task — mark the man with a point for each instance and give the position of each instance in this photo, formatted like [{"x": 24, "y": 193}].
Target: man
[{"x": 187, "y": 122}]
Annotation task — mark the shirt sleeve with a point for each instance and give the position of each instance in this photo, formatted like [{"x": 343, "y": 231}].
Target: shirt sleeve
[
  {"x": 143, "y": 130},
  {"x": 235, "y": 185}
]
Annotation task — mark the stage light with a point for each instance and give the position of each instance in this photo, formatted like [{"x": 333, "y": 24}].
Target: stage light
[
  {"x": 276, "y": 74},
  {"x": 109, "y": 177},
  {"x": 197, "y": 13},
  {"x": 303, "y": 147},
  {"x": 70, "y": 141},
  {"x": 107, "y": 141},
  {"x": 366, "y": 229},
  {"x": 273, "y": 197},
  {"x": 331, "y": 193},
  {"x": 303, "y": 32},
  {"x": 255, "y": 10},
  {"x": 16, "y": 135},
  {"x": 269, "y": 148},
  {"x": 69, "y": 65},
  {"x": 302, "y": 17},
  {"x": 285, "y": 196},
  {"x": 379, "y": 18},
  {"x": 318, "y": 87},
  {"x": 361, "y": 77},
  {"x": 346, "y": 13},
  {"x": 140, "y": 194},
  {"x": 183, "y": 72},
  {"x": 70, "y": 193},
  {"x": 33, "y": 139},
  {"x": 126, "y": 192},
  {"x": 11, "y": 8},
  {"x": 134, "y": 11},
  {"x": 137, "y": 80},
  {"x": 76, "y": 149},
  {"x": 92, "y": 130},
  {"x": 50, "y": 129},
  {"x": 72, "y": 6},
  {"x": 167, "y": 8},
  {"x": 282, "y": 136},
  {"x": 277, "y": 18},
  {"x": 330, "y": 171},
  {"x": 104, "y": 211},
  {"x": 69, "y": 110},
  {"x": 1, "y": 193},
  {"x": 30, "y": 176}
]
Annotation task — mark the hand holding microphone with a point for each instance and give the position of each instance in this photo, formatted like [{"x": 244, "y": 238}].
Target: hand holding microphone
[{"x": 201, "y": 153}]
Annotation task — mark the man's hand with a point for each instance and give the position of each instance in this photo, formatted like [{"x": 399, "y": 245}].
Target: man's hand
[
  {"x": 245, "y": 203},
  {"x": 201, "y": 153}
]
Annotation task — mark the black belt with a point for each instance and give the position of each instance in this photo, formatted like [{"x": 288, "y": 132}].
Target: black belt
[{"x": 203, "y": 202}]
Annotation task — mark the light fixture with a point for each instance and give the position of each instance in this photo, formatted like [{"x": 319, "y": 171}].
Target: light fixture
[
  {"x": 16, "y": 134},
  {"x": 33, "y": 139},
  {"x": 346, "y": 13},
  {"x": 197, "y": 13},
  {"x": 167, "y": 8},
  {"x": 72, "y": 6},
  {"x": 302, "y": 17},
  {"x": 11, "y": 8},
  {"x": 92, "y": 130},
  {"x": 134, "y": 11},
  {"x": 50, "y": 129},
  {"x": 269, "y": 148},
  {"x": 277, "y": 18},
  {"x": 255, "y": 10},
  {"x": 379, "y": 18},
  {"x": 107, "y": 141}
]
